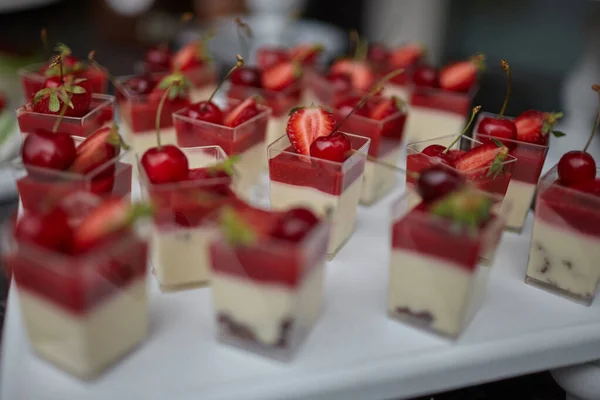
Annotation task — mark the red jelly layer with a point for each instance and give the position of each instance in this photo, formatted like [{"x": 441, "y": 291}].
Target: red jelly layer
[
  {"x": 76, "y": 284},
  {"x": 498, "y": 185},
  {"x": 567, "y": 209},
  {"x": 140, "y": 112},
  {"x": 419, "y": 232},
  {"x": 33, "y": 82},
  {"x": 287, "y": 167},
  {"x": 385, "y": 135},
  {"x": 280, "y": 102},
  {"x": 193, "y": 133},
  {"x": 38, "y": 190},
  {"x": 458, "y": 103}
]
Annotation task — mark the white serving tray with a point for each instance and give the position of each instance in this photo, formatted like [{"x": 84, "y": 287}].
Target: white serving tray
[{"x": 354, "y": 353}]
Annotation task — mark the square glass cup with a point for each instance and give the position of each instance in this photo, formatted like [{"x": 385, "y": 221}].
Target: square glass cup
[
  {"x": 41, "y": 188},
  {"x": 82, "y": 313},
  {"x": 246, "y": 140},
  {"x": 320, "y": 185},
  {"x": 32, "y": 79},
  {"x": 386, "y": 139},
  {"x": 280, "y": 102},
  {"x": 416, "y": 161},
  {"x": 184, "y": 222},
  {"x": 525, "y": 175},
  {"x": 565, "y": 241},
  {"x": 438, "y": 273},
  {"x": 100, "y": 115},
  {"x": 268, "y": 296}
]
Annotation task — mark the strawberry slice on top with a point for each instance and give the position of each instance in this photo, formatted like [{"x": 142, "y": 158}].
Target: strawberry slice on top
[
  {"x": 190, "y": 56},
  {"x": 244, "y": 111},
  {"x": 361, "y": 74},
  {"x": 407, "y": 55},
  {"x": 306, "y": 124},
  {"x": 386, "y": 108},
  {"x": 281, "y": 76},
  {"x": 307, "y": 54},
  {"x": 533, "y": 126},
  {"x": 487, "y": 155},
  {"x": 462, "y": 76}
]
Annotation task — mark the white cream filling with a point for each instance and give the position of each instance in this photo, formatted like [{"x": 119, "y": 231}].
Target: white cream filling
[
  {"x": 378, "y": 179},
  {"x": 519, "y": 196},
  {"x": 284, "y": 196},
  {"x": 276, "y": 128},
  {"x": 391, "y": 89},
  {"x": 263, "y": 307},
  {"x": 564, "y": 258},
  {"x": 249, "y": 167},
  {"x": 450, "y": 293},
  {"x": 181, "y": 257},
  {"x": 87, "y": 344},
  {"x": 425, "y": 123}
]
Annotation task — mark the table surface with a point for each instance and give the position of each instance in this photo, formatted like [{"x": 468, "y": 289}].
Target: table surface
[{"x": 354, "y": 352}]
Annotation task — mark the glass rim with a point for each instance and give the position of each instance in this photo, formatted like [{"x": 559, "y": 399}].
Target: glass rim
[
  {"x": 105, "y": 101},
  {"x": 361, "y": 151},
  {"x": 568, "y": 190},
  {"x": 265, "y": 112},
  {"x": 487, "y": 114},
  {"x": 120, "y": 87}
]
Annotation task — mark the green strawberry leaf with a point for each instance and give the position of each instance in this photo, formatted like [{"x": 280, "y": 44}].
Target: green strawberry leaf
[
  {"x": 54, "y": 103},
  {"x": 40, "y": 94},
  {"x": 79, "y": 80},
  {"x": 497, "y": 142},
  {"x": 399, "y": 102},
  {"x": 227, "y": 165},
  {"x": 295, "y": 109},
  {"x": 464, "y": 208},
  {"x": 62, "y": 49},
  {"x": 237, "y": 232},
  {"x": 558, "y": 134},
  {"x": 76, "y": 89},
  {"x": 137, "y": 211},
  {"x": 497, "y": 166}
]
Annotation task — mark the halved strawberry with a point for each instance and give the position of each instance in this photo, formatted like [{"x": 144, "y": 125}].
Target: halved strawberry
[
  {"x": 407, "y": 55},
  {"x": 480, "y": 157},
  {"x": 533, "y": 126},
  {"x": 104, "y": 222},
  {"x": 267, "y": 57},
  {"x": 461, "y": 76},
  {"x": 306, "y": 124},
  {"x": 190, "y": 56},
  {"x": 306, "y": 54},
  {"x": 385, "y": 108},
  {"x": 243, "y": 112},
  {"x": 99, "y": 148},
  {"x": 281, "y": 76},
  {"x": 360, "y": 72}
]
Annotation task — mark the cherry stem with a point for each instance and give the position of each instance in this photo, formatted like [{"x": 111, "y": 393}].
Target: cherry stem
[
  {"x": 58, "y": 61},
  {"x": 239, "y": 63},
  {"x": 595, "y": 88},
  {"x": 473, "y": 114},
  {"x": 63, "y": 111},
  {"x": 243, "y": 30},
  {"x": 376, "y": 88},
  {"x": 506, "y": 69},
  {"x": 44, "y": 37},
  {"x": 160, "y": 108}
]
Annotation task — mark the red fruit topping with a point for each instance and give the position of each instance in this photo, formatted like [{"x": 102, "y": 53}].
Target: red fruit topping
[
  {"x": 52, "y": 98},
  {"x": 533, "y": 126},
  {"x": 385, "y": 108},
  {"x": 406, "y": 56},
  {"x": 361, "y": 74},
  {"x": 591, "y": 187},
  {"x": 378, "y": 53},
  {"x": 269, "y": 57},
  {"x": 335, "y": 147},
  {"x": 50, "y": 231},
  {"x": 306, "y": 54},
  {"x": 158, "y": 58},
  {"x": 190, "y": 56},
  {"x": 246, "y": 76},
  {"x": 454, "y": 154},
  {"x": 480, "y": 157},
  {"x": 139, "y": 85},
  {"x": 576, "y": 167},
  {"x": 437, "y": 181},
  {"x": 461, "y": 76},
  {"x": 426, "y": 76},
  {"x": 281, "y": 76},
  {"x": 294, "y": 224},
  {"x": 244, "y": 111},
  {"x": 436, "y": 150},
  {"x": 499, "y": 129},
  {"x": 97, "y": 149},
  {"x": 205, "y": 111},
  {"x": 165, "y": 164},
  {"x": 306, "y": 124},
  {"x": 340, "y": 82},
  {"x": 347, "y": 104},
  {"x": 48, "y": 150}
]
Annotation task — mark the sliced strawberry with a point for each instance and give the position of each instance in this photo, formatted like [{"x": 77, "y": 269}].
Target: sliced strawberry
[
  {"x": 479, "y": 157},
  {"x": 281, "y": 76},
  {"x": 360, "y": 72},
  {"x": 385, "y": 108},
  {"x": 407, "y": 55},
  {"x": 455, "y": 154},
  {"x": 306, "y": 124},
  {"x": 269, "y": 57},
  {"x": 99, "y": 148},
  {"x": 190, "y": 56},
  {"x": 529, "y": 126},
  {"x": 307, "y": 54},
  {"x": 244, "y": 111},
  {"x": 461, "y": 76}
]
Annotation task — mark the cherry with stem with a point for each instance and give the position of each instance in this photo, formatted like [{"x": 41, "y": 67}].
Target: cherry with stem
[
  {"x": 474, "y": 112},
  {"x": 239, "y": 63},
  {"x": 161, "y": 104}
]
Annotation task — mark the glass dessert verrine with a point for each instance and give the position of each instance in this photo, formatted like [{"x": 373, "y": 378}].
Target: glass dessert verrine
[
  {"x": 268, "y": 278},
  {"x": 564, "y": 252},
  {"x": 382, "y": 120},
  {"x": 82, "y": 286},
  {"x": 437, "y": 281},
  {"x": 246, "y": 141},
  {"x": 184, "y": 216},
  {"x": 100, "y": 115},
  {"x": 319, "y": 184}
]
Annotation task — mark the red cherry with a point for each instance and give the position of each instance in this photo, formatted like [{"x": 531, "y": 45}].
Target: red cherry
[
  {"x": 335, "y": 147},
  {"x": 45, "y": 149},
  {"x": 499, "y": 129},
  {"x": 165, "y": 164},
  {"x": 205, "y": 111},
  {"x": 81, "y": 101},
  {"x": 158, "y": 58},
  {"x": 426, "y": 76},
  {"x": 52, "y": 82},
  {"x": 50, "y": 231},
  {"x": 437, "y": 181},
  {"x": 294, "y": 224},
  {"x": 140, "y": 85},
  {"x": 591, "y": 187},
  {"x": 246, "y": 76},
  {"x": 436, "y": 150},
  {"x": 576, "y": 167},
  {"x": 340, "y": 81}
]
